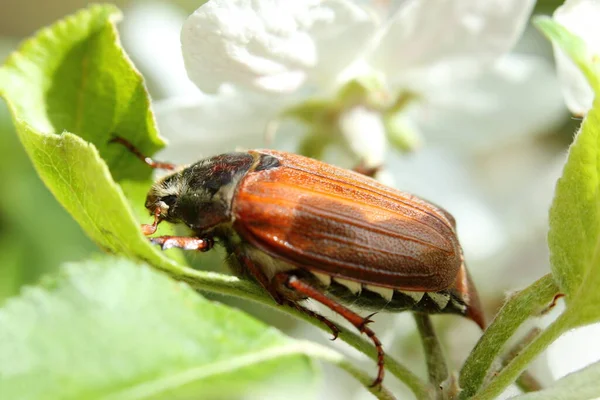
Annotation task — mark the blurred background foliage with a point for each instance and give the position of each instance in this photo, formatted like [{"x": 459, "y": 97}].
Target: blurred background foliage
[{"x": 37, "y": 235}]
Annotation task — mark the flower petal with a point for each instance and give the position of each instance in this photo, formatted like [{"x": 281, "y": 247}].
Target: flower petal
[
  {"x": 518, "y": 97},
  {"x": 272, "y": 46},
  {"x": 447, "y": 39},
  {"x": 365, "y": 135},
  {"x": 581, "y": 18},
  {"x": 204, "y": 125}
]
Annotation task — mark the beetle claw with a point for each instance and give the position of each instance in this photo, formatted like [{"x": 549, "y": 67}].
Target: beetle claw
[
  {"x": 367, "y": 320},
  {"x": 335, "y": 333}
]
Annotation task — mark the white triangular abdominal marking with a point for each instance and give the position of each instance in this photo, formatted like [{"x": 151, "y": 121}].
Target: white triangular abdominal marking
[
  {"x": 323, "y": 278},
  {"x": 458, "y": 305},
  {"x": 354, "y": 287},
  {"x": 384, "y": 292},
  {"x": 416, "y": 296},
  {"x": 440, "y": 299}
]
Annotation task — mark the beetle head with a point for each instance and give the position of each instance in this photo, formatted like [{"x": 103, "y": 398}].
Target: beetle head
[
  {"x": 163, "y": 198},
  {"x": 199, "y": 195}
]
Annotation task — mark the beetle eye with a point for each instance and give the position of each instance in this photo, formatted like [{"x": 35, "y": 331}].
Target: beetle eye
[{"x": 169, "y": 200}]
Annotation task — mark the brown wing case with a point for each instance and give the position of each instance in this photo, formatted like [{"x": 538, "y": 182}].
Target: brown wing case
[{"x": 331, "y": 220}]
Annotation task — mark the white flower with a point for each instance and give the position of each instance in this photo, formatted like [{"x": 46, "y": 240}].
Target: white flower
[
  {"x": 581, "y": 18},
  {"x": 273, "y": 56}
]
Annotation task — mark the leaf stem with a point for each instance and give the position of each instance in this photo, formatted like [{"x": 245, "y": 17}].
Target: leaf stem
[
  {"x": 520, "y": 362},
  {"x": 436, "y": 362},
  {"x": 230, "y": 285},
  {"x": 529, "y": 301},
  {"x": 526, "y": 381}
]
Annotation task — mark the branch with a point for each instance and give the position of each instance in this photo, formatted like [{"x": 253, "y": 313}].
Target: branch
[{"x": 436, "y": 362}]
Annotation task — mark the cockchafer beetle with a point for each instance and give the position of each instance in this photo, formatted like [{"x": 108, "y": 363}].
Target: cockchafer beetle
[{"x": 305, "y": 229}]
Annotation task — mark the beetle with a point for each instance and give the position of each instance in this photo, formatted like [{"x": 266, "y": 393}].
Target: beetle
[{"x": 304, "y": 229}]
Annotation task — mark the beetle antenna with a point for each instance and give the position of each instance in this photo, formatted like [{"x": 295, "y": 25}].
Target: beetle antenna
[{"x": 149, "y": 161}]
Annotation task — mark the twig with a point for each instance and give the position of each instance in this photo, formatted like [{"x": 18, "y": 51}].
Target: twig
[{"x": 436, "y": 362}]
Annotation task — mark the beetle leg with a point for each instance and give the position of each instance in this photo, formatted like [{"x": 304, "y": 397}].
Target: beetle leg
[
  {"x": 149, "y": 229},
  {"x": 152, "y": 163},
  {"x": 262, "y": 279},
  {"x": 367, "y": 320},
  {"x": 335, "y": 331},
  {"x": 292, "y": 282},
  {"x": 183, "y": 242},
  {"x": 258, "y": 275}
]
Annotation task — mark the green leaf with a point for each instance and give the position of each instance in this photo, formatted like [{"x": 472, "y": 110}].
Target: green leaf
[
  {"x": 111, "y": 329},
  {"x": 75, "y": 77},
  {"x": 574, "y": 236},
  {"x": 528, "y": 302},
  {"x": 580, "y": 385},
  {"x": 74, "y": 172},
  {"x": 36, "y": 234},
  {"x": 574, "y": 47}
]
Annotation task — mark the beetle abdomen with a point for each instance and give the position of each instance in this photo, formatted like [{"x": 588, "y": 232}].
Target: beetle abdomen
[
  {"x": 375, "y": 298},
  {"x": 330, "y": 220}
]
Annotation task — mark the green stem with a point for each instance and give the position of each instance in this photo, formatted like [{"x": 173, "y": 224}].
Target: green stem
[
  {"x": 526, "y": 381},
  {"x": 529, "y": 301},
  {"x": 230, "y": 285},
  {"x": 512, "y": 371},
  {"x": 436, "y": 362}
]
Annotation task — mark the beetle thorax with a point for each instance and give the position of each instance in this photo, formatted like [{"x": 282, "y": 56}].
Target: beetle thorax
[{"x": 200, "y": 195}]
